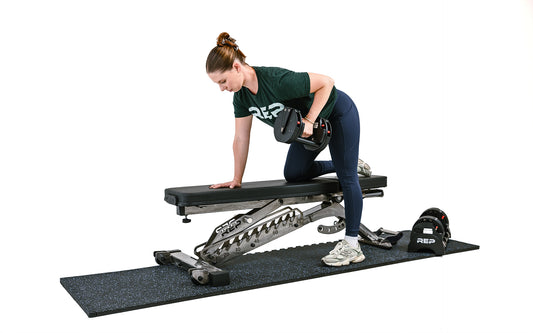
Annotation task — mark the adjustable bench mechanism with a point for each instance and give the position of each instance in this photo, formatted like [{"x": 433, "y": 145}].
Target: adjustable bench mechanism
[{"x": 246, "y": 232}]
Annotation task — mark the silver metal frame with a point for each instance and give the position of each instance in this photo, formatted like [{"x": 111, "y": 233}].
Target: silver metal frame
[{"x": 266, "y": 221}]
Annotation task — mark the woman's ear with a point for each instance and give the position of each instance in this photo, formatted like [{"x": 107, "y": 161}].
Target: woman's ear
[{"x": 237, "y": 66}]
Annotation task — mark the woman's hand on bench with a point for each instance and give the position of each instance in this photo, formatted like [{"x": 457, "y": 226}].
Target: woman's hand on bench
[{"x": 231, "y": 184}]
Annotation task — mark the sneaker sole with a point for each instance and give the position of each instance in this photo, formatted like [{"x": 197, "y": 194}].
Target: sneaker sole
[{"x": 346, "y": 262}]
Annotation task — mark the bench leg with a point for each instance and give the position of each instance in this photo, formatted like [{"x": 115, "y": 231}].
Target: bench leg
[{"x": 200, "y": 271}]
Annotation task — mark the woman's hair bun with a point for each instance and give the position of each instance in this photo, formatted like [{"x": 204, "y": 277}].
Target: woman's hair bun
[
  {"x": 222, "y": 56},
  {"x": 224, "y": 39}
]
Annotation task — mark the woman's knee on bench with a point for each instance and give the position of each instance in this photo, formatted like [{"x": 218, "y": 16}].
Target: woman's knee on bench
[{"x": 294, "y": 174}]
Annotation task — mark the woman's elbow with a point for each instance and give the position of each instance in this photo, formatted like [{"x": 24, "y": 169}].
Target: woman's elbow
[{"x": 330, "y": 82}]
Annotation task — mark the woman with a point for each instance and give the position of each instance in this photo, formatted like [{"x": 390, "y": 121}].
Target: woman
[{"x": 263, "y": 92}]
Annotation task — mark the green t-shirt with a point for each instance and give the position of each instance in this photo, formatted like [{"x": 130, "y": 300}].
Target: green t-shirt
[{"x": 278, "y": 88}]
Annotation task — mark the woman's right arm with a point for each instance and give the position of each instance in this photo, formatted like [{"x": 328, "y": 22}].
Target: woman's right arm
[{"x": 241, "y": 143}]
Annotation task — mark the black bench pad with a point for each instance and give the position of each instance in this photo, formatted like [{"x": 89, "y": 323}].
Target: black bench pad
[{"x": 261, "y": 190}]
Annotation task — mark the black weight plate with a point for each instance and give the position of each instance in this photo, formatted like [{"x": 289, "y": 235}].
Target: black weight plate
[
  {"x": 288, "y": 125},
  {"x": 441, "y": 216},
  {"x": 428, "y": 222}
]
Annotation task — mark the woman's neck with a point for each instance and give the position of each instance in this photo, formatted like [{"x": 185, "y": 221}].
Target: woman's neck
[{"x": 250, "y": 79}]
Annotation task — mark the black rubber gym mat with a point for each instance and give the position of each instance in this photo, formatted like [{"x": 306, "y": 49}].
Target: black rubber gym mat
[{"x": 107, "y": 293}]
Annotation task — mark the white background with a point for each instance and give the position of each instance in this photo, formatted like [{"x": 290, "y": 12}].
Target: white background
[{"x": 104, "y": 104}]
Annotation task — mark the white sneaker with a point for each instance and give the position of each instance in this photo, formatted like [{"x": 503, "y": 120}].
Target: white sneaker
[
  {"x": 343, "y": 254},
  {"x": 363, "y": 168}
]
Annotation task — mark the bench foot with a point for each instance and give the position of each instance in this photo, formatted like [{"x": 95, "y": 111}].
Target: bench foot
[{"x": 201, "y": 272}]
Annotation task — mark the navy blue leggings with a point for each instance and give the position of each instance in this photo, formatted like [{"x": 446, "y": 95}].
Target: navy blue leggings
[{"x": 344, "y": 148}]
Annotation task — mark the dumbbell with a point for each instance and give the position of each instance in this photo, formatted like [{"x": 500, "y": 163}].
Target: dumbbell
[
  {"x": 430, "y": 232},
  {"x": 443, "y": 218},
  {"x": 289, "y": 127}
]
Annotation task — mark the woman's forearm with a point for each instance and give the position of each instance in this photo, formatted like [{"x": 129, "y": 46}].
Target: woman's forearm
[
  {"x": 322, "y": 86},
  {"x": 240, "y": 155}
]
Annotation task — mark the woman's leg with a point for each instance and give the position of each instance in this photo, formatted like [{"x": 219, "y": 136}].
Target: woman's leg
[
  {"x": 300, "y": 164},
  {"x": 344, "y": 149}
]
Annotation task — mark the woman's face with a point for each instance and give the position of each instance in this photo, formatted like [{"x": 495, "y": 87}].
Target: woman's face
[{"x": 230, "y": 80}]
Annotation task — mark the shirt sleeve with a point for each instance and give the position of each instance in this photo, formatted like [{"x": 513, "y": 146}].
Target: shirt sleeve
[{"x": 239, "y": 110}]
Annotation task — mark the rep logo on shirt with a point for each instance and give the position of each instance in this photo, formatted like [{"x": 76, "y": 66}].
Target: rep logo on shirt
[{"x": 269, "y": 112}]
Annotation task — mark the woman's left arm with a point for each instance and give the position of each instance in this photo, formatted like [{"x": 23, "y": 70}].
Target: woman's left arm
[{"x": 321, "y": 85}]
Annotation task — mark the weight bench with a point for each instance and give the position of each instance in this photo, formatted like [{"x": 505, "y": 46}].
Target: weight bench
[{"x": 269, "y": 217}]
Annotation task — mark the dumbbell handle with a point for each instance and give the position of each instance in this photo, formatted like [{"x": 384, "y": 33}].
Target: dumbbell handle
[{"x": 308, "y": 141}]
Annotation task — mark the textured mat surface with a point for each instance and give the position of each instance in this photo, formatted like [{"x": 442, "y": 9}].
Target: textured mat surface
[{"x": 107, "y": 293}]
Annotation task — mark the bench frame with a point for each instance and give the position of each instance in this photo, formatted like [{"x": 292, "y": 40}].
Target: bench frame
[{"x": 267, "y": 219}]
